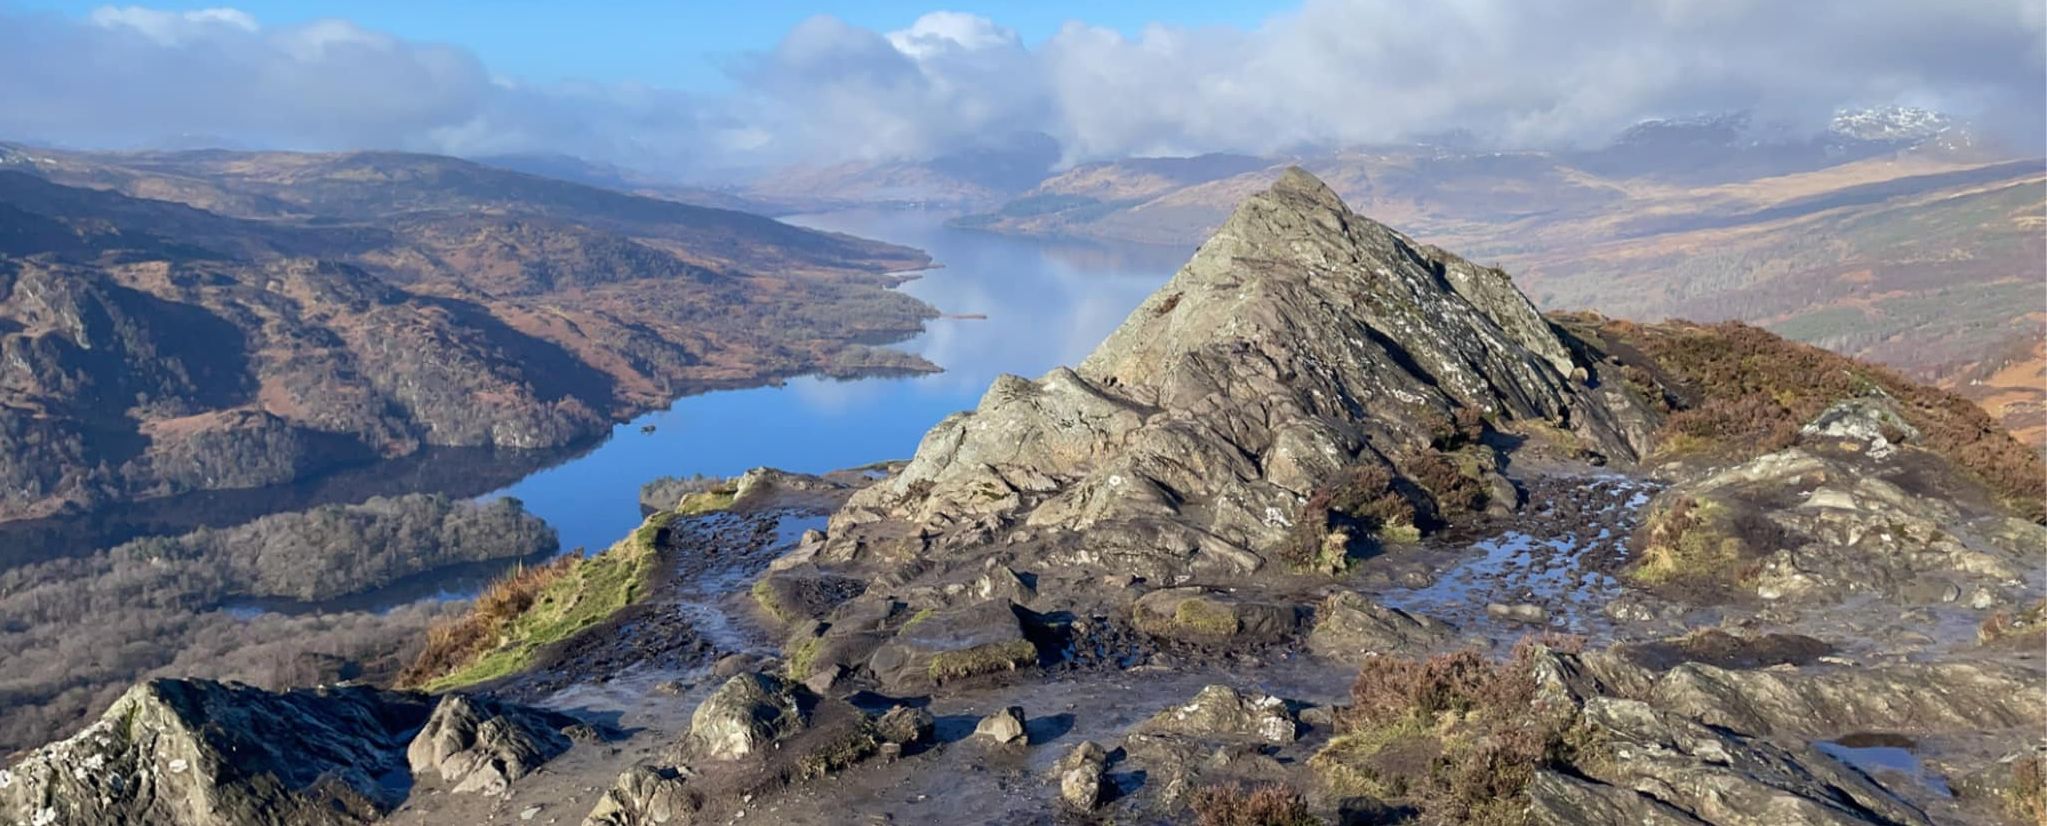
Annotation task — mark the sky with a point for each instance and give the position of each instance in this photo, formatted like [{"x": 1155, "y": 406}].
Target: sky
[{"x": 699, "y": 89}]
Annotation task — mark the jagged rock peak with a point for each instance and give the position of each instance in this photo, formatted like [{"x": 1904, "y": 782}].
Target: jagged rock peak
[
  {"x": 203, "y": 753},
  {"x": 1300, "y": 340},
  {"x": 1296, "y": 182}
]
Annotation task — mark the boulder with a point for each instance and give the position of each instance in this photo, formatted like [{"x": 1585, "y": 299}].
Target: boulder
[
  {"x": 1718, "y": 776},
  {"x": 1202, "y": 616},
  {"x": 1350, "y": 628},
  {"x": 1557, "y": 799},
  {"x": 947, "y": 645},
  {"x": 1222, "y": 712},
  {"x": 481, "y": 745},
  {"x": 804, "y": 593},
  {"x": 743, "y": 716},
  {"x": 1826, "y": 702},
  {"x": 1004, "y": 727},
  {"x": 645, "y": 796},
  {"x": 1080, "y": 775}
]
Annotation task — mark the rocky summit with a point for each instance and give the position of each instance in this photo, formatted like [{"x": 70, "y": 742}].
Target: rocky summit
[
  {"x": 1336, "y": 528},
  {"x": 1300, "y": 342}
]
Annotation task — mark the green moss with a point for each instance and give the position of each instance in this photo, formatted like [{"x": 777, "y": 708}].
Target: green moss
[
  {"x": 764, "y": 595},
  {"x": 594, "y": 590},
  {"x": 803, "y": 657},
  {"x": 1204, "y": 617},
  {"x": 1399, "y": 532},
  {"x": 709, "y": 501},
  {"x": 985, "y": 659},
  {"x": 918, "y": 617}
]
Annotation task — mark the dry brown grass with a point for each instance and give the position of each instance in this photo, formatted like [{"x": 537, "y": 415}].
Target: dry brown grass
[
  {"x": 454, "y": 642},
  {"x": 2028, "y": 796},
  {"x": 1272, "y": 804},
  {"x": 1457, "y": 734},
  {"x": 1741, "y": 391}
]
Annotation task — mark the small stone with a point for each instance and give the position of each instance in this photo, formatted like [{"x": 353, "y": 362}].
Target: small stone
[
  {"x": 1004, "y": 727},
  {"x": 529, "y": 813}
]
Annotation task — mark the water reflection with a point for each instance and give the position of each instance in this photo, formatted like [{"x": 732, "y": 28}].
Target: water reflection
[
  {"x": 1042, "y": 304},
  {"x": 1046, "y": 304}
]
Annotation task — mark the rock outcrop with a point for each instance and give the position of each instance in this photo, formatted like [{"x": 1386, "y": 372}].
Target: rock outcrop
[
  {"x": 481, "y": 745},
  {"x": 1302, "y": 339},
  {"x": 201, "y": 753},
  {"x": 1853, "y": 508},
  {"x": 1714, "y": 775},
  {"x": 1222, "y": 712},
  {"x": 1351, "y": 628}
]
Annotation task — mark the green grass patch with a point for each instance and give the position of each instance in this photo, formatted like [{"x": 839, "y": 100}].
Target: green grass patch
[
  {"x": 708, "y": 501},
  {"x": 589, "y": 592}
]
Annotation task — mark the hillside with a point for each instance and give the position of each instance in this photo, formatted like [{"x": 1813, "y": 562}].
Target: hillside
[
  {"x": 204, "y": 320},
  {"x": 1335, "y": 524},
  {"x": 1923, "y": 252}
]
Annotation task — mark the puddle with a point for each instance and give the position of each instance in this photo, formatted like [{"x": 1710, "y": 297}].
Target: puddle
[
  {"x": 704, "y": 594},
  {"x": 789, "y": 529},
  {"x": 1562, "y": 568},
  {"x": 1879, "y": 755}
]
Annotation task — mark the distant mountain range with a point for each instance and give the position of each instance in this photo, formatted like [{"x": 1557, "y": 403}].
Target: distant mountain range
[{"x": 211, "y": 319}]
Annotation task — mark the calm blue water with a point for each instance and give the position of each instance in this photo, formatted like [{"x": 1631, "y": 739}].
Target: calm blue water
[{"x": 1047, "y": 303}]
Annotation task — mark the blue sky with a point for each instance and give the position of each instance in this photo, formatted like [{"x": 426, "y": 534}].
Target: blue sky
[{"x": 677, "y": 44}]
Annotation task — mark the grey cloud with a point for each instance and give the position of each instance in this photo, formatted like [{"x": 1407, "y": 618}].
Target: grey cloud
[
  {"x": 137, "y": 76},
  {"x": 1516, "y": 74}
]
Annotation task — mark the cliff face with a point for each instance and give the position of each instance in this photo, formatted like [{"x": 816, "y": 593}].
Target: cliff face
[{"x": 1300, "y": 342}]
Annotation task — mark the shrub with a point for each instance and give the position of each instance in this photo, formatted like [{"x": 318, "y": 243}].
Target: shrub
[
  {"x": 1272, "y": 804},
  {"x": 1360, "y": 497},
  {"x": 1455, "y": 491},
  {"x": 1457, "y": 734}
]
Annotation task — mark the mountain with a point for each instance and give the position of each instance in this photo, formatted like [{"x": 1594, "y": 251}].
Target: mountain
[
  {"x": 1895, "y": 235},
  {"x": 201, "y": 320},
  {"x": 980, "y": 177},
  {"x": 609, "y": 176},
  {"x": 1334, "y": 525}
]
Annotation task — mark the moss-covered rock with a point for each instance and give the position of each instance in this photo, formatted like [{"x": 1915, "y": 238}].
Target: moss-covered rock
[{"x": 1200, "y": 616}]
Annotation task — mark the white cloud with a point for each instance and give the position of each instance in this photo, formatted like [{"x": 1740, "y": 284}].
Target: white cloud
[
  {"x": 1515, "y": 73},
  {"x": 172, "y": 28}
]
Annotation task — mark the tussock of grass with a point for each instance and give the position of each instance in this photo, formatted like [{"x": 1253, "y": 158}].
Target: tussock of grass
[
  {"x": 1703, "y": 542},
  {"x": 531, "y": 608}
]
